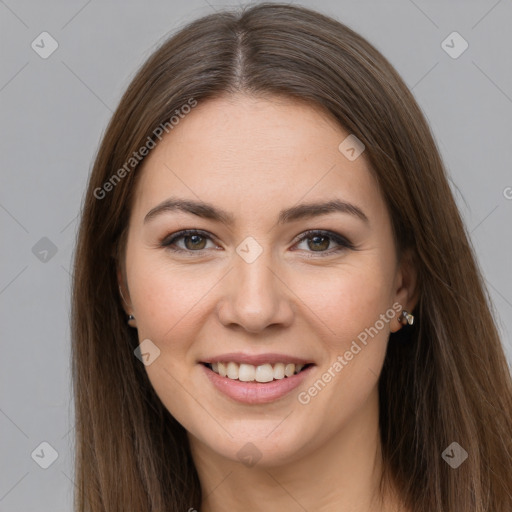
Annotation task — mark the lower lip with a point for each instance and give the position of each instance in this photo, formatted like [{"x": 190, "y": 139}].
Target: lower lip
[{"x": 256, "y": 392}]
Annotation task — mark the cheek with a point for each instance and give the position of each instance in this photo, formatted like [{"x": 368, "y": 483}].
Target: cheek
[
  {"x": 354, "y": 337},
  {"x": 165, "y": 297},
  {"x": 167, "y": 302},
  {"x": 342, "y": 299},
  {"x": 346, "y": 299}
]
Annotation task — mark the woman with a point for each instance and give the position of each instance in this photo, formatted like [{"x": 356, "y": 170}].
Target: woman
[{"x": 275, "y": 299}]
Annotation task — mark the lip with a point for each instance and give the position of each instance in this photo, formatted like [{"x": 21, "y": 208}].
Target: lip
[
  {"x": 255, "y": 392},
  {"x": 256, "y": 359}
]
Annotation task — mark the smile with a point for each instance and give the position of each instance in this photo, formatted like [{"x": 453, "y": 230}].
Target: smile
[
  {"x": 250, "y": 373},
  {"x": 258, "y": 379}
]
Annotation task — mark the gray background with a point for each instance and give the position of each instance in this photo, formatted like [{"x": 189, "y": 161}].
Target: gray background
[{"x": 54, "y": 112}]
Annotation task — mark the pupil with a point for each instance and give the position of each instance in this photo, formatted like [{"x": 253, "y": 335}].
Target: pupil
[
  {"x": 195, "y": 237},
  {"x": 316, "y": 238}
]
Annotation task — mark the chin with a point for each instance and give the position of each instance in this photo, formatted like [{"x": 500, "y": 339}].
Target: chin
[{"x": 256, "y": 444}]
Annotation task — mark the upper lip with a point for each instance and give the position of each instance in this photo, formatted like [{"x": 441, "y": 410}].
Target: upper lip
[{"x": 255, "y": 359}]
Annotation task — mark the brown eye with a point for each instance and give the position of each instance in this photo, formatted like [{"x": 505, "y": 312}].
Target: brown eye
[
  {"x": 193, "y": 241},
  {"x": 318, "y": 241},
  {"x": 196, "y": 242}
]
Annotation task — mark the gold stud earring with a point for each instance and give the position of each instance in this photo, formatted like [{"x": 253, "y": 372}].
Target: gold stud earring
[{"x": 405, "y": 318}]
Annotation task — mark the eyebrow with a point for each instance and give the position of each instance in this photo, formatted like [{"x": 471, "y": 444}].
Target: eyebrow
[{"x": 298, "y": 212}]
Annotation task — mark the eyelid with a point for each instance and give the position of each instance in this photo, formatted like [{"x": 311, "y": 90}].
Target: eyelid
[
  {"x": 169, "y": 239},
  {"x": 340, "y": 240},
  {"x": 336, "y": 237}
]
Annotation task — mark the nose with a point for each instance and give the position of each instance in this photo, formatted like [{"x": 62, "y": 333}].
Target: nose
[{"x": 255, "y": 296}]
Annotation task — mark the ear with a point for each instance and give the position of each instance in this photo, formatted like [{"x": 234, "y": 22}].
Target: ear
[
  {"x": 123, "y": 291},
  {"x": 406, "y": 288}
]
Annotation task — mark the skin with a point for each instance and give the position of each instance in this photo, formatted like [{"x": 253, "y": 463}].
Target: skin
[{"x": 253, "y": 157}]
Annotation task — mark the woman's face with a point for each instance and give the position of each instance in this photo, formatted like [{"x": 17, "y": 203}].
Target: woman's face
[{"x": 255, "y": 287}]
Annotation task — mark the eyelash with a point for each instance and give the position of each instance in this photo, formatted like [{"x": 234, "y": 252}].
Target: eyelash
[{"x": 342, "y": 242}]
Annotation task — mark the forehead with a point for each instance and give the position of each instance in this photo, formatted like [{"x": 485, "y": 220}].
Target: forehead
[{"x": 254, "y": 155}]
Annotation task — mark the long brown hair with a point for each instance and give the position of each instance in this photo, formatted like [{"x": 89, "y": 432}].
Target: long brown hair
[{"x": 444, "y": 381}]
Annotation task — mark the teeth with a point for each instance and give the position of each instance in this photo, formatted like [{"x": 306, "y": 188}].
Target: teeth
[
  {"x": 246, "y": 372},
  {"x": 250, "y": 373},
  {"x": 222, "y": 370},
  {"x": 264, "y": 373},
  {"x": 289, "y": 370},
  {"x": 232, "y": 370},
  {"x": 279, "y": 371}
]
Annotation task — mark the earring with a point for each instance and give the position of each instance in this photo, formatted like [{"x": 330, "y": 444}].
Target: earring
[
  {"x": 131, "y": 321},
  {"x": 131, "y": 318},
  {"x": 405, "y": 318}
]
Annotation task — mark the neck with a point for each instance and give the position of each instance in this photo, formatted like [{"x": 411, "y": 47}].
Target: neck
[{"x": 342, "y": 474}]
